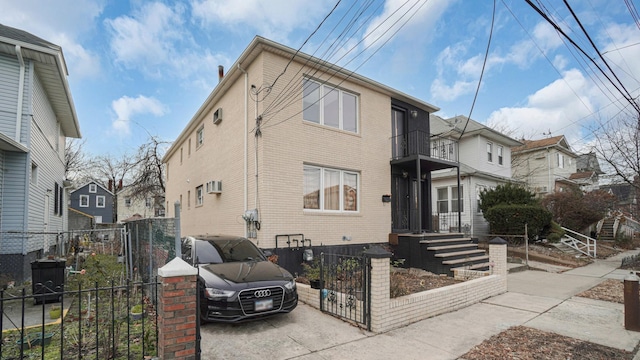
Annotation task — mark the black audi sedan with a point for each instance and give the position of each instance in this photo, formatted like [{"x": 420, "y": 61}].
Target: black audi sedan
[{"x": 236, "y": 282}]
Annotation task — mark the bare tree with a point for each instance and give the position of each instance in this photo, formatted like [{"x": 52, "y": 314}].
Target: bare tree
[
  {"x": 76, "y": 161},
  {"x": 149, "y": 172},
  {"x": 112, "y": 173},
  {"x": 618, "y": 144}
]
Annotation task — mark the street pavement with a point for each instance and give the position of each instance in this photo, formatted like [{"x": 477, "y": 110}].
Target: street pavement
[{"x": 538, "y": 299}]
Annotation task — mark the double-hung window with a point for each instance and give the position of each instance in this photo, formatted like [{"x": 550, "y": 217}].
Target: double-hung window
[
  {"x": 448, "y": 199},
  {"x": 560, "y": 161},
  {"x": 330, "y": 106},
  {"x": 199, "y": 195},
  {"x": 93, "y": 188},
  {"x": 199, "y": 138},
  {"x": 100, "y": 201},
  {"x": 328, "y": 189},
  {"x": 489, "y": 152},
  {"x": 500, "y": 155},
  {"x": 84, "y": 200}
]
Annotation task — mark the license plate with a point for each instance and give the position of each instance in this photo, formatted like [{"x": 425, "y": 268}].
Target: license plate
[{"x": 263, "y": 305}]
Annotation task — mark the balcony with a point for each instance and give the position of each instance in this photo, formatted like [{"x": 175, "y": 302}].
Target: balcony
[{"x": 422, "y": 143}]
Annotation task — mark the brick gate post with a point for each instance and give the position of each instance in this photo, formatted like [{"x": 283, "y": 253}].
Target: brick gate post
[
  {"x": 177, "y": 311},
  {"x": 379, "y": 288},
  {"x": 498, "y": 259}
]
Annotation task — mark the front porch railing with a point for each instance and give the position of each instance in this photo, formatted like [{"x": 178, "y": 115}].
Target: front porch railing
[{"x": 423, "y": 143}]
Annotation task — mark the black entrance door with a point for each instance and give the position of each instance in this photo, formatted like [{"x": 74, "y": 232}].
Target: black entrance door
[{"x": 401, "y": 200}]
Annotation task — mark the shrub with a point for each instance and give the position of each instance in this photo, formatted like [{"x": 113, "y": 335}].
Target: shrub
[
  {"x": 507, "y": 194},
  {"x": 511, "y": 219},
  {"x": 555, "y": 232}
]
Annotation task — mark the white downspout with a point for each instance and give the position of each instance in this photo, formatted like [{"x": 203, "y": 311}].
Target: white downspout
[
  {"x": 20, "y": 94},
  {"x": 246, "y": 150}
]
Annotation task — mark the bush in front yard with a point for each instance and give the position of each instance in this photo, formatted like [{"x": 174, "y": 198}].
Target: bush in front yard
[{"x": 511, "y": 219}]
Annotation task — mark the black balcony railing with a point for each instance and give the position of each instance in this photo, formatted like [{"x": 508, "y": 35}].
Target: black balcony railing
[{"x": 422, "y": 143}]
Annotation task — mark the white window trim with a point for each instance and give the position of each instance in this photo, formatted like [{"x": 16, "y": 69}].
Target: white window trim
[
  {"x": 489, "y": 152},
  {"x": 93, "y": 188},
  {"x": 200, "y": 139},
  {"x": 340, "y": 106},
  {"x": 341, "y": 185},
  {"x": 500, "y": 154},
  {"x": 86, "y": 198},
  {"x": 199, "y": 195},
  {"x": 104, "y": 201}
]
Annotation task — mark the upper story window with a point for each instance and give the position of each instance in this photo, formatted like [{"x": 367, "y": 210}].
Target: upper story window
[
  {"x": 93, "y": 188},
  {"x": 199, "y": 195},
  {"x": 560, "y": 161},
  {"x": 200, "y": 137},
  {"x": 489, "y": 152},
  {"x": 330, "y": 189},
  {"x": 127, "y": 201},
  {"x": 100, "y": 201},
  {"x": 181, "y": 152},
  {"x": 500, "y": 155},
  {"x": 84, "y": 201},
  {"x": 189, "y": 148},
  {"x": 34, "y": 174},
  {"x": 329, "y": 106}
]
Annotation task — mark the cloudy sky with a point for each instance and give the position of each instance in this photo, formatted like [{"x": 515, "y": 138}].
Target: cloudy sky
[{"x": 140, "y": 68}]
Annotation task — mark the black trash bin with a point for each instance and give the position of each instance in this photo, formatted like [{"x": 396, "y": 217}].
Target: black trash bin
[{"x": 47, "y": 276}]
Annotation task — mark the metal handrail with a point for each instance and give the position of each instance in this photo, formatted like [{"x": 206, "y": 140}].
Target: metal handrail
[{"x": 590, "y": 245}]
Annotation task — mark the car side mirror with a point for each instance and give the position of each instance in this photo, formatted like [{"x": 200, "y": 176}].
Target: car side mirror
[{"x": 267, "y": 253}]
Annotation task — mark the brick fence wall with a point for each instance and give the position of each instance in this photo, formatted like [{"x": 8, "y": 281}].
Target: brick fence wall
[{"x": 388, "y": 314}]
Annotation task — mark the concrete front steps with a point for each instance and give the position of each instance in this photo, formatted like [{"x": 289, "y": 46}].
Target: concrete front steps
[{"x": 442, "y": 253}]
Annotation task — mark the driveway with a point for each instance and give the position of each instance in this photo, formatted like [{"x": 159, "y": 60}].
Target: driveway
[{"x": 298, "y": 334}]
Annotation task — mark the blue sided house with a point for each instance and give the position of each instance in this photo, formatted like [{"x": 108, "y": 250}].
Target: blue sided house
[{"x": 95, "y": 200}]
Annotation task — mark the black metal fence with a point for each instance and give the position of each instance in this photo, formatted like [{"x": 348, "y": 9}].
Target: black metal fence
[
  {"x": 344, "y": 284},
  {"x": 112, "y": 322}
]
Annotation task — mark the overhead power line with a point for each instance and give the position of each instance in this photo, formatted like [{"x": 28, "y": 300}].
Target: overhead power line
[
  {"x": 484, "y": 64},
  {"x": 624, "y": 93}
]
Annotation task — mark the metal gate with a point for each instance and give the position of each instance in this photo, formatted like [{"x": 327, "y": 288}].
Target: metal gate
[{"x": 344, "y": 287}]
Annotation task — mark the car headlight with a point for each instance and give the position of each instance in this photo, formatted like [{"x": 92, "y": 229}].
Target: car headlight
[
  {"x": 218, "y": 293},
  {"x": 290, "y": 285}
]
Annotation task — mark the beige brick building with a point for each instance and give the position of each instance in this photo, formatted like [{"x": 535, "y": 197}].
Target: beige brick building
[{"x": 314, "y": 148}]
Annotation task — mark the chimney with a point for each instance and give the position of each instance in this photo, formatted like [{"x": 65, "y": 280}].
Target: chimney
[
  {"x": 110, "y": 185},
  {"x": 120, "y": 184},
  {"x": 220, "y": 72}
]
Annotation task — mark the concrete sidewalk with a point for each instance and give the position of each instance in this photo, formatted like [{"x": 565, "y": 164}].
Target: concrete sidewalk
[{"x": 536, "y": 299}]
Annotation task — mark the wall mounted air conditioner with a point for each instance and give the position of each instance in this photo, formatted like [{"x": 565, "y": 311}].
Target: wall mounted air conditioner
[
  {"x": 214, "y": 187},
  {"x": 217, "y": 116}
]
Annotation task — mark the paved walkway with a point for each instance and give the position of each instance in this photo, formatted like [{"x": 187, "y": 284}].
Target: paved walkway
[{"x": 538, "y": 299}]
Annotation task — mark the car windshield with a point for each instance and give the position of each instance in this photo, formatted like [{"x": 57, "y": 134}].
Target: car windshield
[{"x": 219, "y": 251}]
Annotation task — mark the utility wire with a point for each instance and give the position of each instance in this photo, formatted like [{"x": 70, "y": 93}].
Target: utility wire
[
  {"x": 630, "y": 100},
  {"x": 484, "y": 64},
  {"x": 305, "y": 42},
  {"x": 629, "y": 96},
  {"x": 325, "y": 63},
  {"x": 288, "y": 90},
  {"x": 366, "y": 48}
]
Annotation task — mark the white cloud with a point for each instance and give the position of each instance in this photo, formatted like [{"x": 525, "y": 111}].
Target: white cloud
[
  {"x": 127, "y": 108},
  {"x": 560, "y": 107},
  {"x": 73, "y": 19},
  {"x": 274, "y": 19},
  {"x": 147, "y": 38}
]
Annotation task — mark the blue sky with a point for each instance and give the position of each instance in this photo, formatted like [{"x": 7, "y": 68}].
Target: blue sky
[{"x": 140, "y": 68}]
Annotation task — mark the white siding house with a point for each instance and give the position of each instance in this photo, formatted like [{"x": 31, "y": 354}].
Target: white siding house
[
  {"x": 36, "y": 116},
  {"x": 485, "y": 162}
]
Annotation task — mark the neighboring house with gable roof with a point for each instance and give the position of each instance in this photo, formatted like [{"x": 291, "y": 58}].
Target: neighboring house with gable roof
[
  {"x": 485, "y": 162},
  {"x": 544, "y": 165},
  {"x": 95, "y": 200},
  {"x": 36, "y": 116}
]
